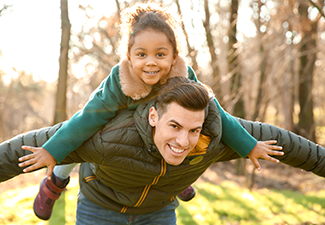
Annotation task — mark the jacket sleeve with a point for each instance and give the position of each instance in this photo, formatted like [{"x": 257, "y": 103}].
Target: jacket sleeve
[
  {"x": 298, "y": 151},
  {"x": 103, "y": 104},
  {"x": 11, "y": 151},
  {"x": 243, "y": 143}
]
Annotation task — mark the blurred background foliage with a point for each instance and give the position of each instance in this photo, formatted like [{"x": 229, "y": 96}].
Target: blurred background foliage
[{"x": 264, "y": 59}]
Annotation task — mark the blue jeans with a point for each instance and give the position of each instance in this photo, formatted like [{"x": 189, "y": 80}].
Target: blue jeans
[{"x": 89, "y": 213}]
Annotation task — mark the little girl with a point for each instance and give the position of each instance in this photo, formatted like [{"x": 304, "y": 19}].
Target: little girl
[{"x": 150, "y": 47}]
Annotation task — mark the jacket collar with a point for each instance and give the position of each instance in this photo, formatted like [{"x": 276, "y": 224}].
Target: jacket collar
[
  {"x": 135, "y": 88},
  {"x": 141, "y": 118}
]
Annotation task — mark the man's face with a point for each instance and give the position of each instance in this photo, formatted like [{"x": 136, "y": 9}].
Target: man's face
[{"x": 177, "y": 131}]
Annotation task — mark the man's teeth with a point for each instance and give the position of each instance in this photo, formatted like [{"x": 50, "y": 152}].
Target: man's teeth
[{"x": 177, "y": 150}]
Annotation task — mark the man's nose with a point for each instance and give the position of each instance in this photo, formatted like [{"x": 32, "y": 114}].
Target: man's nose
[{"x": 183, "y": 139}]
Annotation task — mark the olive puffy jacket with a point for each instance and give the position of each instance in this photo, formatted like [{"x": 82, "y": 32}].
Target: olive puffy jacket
[{"x": 124, "y": 171}]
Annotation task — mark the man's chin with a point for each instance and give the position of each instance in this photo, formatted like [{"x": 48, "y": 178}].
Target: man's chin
[{"x": 173, "y": 162}]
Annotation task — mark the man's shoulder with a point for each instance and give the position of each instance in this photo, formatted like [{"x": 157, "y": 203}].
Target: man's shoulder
[{"x": 123, "y": 119}]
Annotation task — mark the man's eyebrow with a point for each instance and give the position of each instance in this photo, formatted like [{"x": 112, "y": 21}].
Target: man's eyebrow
[{"x": 174, "y": 121}]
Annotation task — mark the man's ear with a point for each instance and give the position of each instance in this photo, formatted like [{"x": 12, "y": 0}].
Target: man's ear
[{"x": 153, "y": 116}]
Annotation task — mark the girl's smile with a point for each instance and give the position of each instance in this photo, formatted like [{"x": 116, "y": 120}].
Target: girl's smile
[{"x": 151, "y": 56}]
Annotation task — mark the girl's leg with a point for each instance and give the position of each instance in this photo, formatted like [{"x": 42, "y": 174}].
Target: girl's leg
[
  {"x": 63, "y": 171},
  {"x": 51, "y": 190}
]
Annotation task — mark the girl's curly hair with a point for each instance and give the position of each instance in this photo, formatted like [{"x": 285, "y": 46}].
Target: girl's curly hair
[{"x": 143, "y": 16}]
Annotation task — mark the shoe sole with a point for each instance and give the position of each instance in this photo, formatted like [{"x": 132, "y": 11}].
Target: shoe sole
[{"x": 189, "y": 198}]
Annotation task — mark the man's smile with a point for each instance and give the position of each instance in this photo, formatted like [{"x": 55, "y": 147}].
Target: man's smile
[{"x": 177, "y": 150}]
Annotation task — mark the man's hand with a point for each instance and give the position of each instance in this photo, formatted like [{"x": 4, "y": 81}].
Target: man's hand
[
  {"x": 38, "y": 159},
  {"x": 262, "y": 150}
]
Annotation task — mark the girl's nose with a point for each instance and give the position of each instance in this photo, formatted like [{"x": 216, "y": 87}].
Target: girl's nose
[{"x": 151, "y": 63}]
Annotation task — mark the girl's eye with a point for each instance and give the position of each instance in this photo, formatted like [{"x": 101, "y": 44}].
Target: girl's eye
[
  {"x": 141, "y": 54},
  {"x": 160, "y": 54}
]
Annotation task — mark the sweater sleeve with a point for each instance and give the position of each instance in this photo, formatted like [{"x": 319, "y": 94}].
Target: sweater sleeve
[
  {"x": 233, "y": 134},
  {"x": 103, "y": 104}
]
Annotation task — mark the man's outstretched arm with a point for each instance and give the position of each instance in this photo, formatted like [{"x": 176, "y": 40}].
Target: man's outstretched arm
[
  {"x": 298, "y": 151},
  {"x": 11, "y": 150}
]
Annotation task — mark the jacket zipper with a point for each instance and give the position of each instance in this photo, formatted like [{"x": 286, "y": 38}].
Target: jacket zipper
[{"x": 147, "y": 187}]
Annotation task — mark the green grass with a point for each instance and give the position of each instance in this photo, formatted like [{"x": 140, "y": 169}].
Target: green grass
[
  {"x": 17, "y": 206},
  {"x": 214, "y": 204}
]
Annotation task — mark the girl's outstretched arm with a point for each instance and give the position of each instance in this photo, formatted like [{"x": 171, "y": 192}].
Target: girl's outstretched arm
[
  {"x": 263, "y": 149},
  {"x": 38, "y": 159}
]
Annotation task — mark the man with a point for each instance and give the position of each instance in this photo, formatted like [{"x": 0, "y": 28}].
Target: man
[{"x": 133, "y": 169}]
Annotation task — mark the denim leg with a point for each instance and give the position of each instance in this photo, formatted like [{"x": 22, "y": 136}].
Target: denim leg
[
  {"x": 89, "y": 213},
  {"x": 164, "y": 216}
]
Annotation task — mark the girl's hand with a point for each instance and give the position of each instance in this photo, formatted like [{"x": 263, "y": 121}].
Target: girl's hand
[
  {"x": 263, "y": 149},
  {"x": 38, "y": 159}
]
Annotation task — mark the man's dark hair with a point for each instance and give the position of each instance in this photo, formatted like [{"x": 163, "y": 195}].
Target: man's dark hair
[{"x": 186, "y": 93}]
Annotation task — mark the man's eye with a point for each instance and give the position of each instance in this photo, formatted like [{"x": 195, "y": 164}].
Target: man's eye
[
  {"x": 174, "y": 126},
  {"x": 196, "y": 131}
]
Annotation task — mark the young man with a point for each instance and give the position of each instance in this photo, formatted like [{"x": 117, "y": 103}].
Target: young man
[{"x": 136, "y": 165}]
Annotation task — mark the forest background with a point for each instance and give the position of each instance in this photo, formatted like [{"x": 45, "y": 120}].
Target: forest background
[{"x": 264, "y": 59}]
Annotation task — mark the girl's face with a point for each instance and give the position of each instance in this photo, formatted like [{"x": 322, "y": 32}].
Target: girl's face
[{"x": 151, "y": 56}]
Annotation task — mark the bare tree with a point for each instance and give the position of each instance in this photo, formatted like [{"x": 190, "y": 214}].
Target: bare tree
[
  {"x": 212, "y": 49},
  {"x": 308, "y": 51},
  {"x": 4, "y": 9},
  {"x": 191, "y": 51},
  {"x": 233, "y": 63},
  {"x": 61, "y": 99}
]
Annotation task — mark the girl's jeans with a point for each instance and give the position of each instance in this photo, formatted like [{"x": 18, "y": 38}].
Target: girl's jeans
[{"x": 89, "y": 213}]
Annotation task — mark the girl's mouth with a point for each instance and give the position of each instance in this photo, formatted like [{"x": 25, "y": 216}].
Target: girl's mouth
[{"x": 151, "y": 72}]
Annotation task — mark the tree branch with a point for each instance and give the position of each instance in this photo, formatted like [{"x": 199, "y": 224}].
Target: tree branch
[
  {"x": 318, "y": 8},
  {"x": 4, "y": 8}
]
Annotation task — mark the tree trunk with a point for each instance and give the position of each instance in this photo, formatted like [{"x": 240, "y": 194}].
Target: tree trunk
[
  {"x": 212, "y": 49},
  {"x": 306, "y": 73},
  {"x": 61, "y": 100},
  {"x": 262, "y": 81},
  {"x": 288, "y": 91},
  {"x": 233, "y": 65},
  {"x": 263, "y": 75},
  {"x": 191, "y": 51}
]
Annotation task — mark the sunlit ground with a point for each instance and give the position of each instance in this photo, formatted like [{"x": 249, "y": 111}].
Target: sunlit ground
[
  {"x": 227, "y": 203},
  {"x": 17, "y": 206}
]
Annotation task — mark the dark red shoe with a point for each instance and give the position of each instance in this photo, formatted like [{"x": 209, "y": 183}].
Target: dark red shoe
[
  {"x": 50, "y": 191},
  {"x": 187, "y": 194}
]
